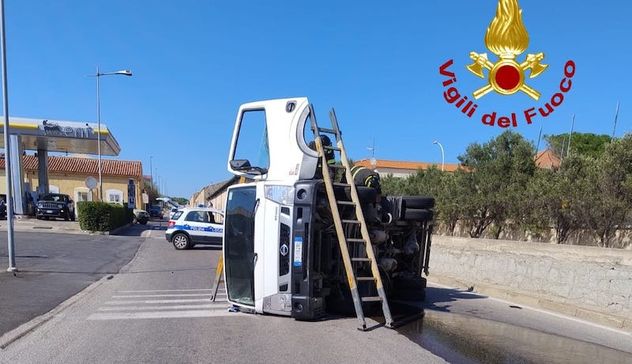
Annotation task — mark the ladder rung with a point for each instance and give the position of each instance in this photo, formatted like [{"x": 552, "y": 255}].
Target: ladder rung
[
  {"x": 371, "y": 299},
  {"x": 360, "y": 259},
  {"x": 338, "y": 184},
  {"x": 346, "y": 203},
  {"x": 365, "y": 278},
  {"x": 355, "y": 240},
  {"x": 339, "y": 166},
  {"x": 328, "y": 131},
  {"x": 331, "y": 148},
  {"x": 350, "y": 222}
]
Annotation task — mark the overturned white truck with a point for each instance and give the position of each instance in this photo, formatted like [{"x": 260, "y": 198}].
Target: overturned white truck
[{"x": 301, "y": 241}]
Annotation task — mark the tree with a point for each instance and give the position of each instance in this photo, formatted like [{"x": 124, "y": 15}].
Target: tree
[
  {"x": 610, "y": 201},
  {"x": 151, "y": 190},
  {"x": 493, "y": 187},
  {"x": 586, "y": 144},
  {"x": 180, "y": 200},
  {"x": 559, "y": 197}
]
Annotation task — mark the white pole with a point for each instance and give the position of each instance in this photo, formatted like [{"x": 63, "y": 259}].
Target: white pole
[
  {"x": 442, "y": 155},
  {"x": 99, "y": 135},
  {"x": 7, "y": 148},
  {"x": 570, "y": 137}
]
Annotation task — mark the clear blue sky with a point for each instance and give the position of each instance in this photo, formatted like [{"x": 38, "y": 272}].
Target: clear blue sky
[{"x": 195, "y": 62}]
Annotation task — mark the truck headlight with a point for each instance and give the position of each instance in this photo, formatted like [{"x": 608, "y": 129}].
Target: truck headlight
[
  {"x": 280, "y": 194},
  {"x": 60, "y": 206}
]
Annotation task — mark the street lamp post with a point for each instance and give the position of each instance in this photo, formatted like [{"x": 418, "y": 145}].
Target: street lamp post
[
  {"x": 98, "y": 76},
  {"x": 7, "y": 149},
  {"x": 442, "y": 154}
]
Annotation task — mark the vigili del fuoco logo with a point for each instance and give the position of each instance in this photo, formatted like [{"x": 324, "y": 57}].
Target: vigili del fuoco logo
[{"x": 507, "y": 38}]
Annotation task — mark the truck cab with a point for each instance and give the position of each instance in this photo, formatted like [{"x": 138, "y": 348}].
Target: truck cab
[{"x": 280, "y": 252}]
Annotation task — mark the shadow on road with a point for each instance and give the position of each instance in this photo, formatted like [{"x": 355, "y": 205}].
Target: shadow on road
[
  {"x": 439, "y": 299},
  {"x": 138, "y": 229}
]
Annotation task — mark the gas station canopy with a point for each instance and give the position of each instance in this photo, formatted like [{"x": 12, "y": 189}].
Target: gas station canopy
[{"x": 62, "y": 136}]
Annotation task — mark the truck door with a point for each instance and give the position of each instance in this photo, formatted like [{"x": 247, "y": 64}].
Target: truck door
[{"x": 239, "y": 240}]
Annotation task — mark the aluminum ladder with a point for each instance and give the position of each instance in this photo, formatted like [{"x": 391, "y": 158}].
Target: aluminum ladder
[{"x": 343, "y": 239}]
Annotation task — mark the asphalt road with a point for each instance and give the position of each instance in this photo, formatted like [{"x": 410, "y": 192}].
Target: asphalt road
[
  {"x": 157, "y": 309},
  {"x": 53, "y": 267}
]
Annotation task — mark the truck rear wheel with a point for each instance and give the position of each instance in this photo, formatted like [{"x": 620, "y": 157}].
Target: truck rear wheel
[
  {"x": 418, "y": 202},
  {"x": 417, "y": 214}
]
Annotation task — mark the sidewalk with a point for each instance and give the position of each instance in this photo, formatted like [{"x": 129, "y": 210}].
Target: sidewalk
[{"x": 24, "y": 223}]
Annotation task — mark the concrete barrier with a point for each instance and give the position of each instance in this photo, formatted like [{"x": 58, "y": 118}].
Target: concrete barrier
[{"x": 585, "y": 282}]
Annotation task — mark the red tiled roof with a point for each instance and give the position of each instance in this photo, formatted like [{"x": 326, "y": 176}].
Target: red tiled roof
[
  {"x": 109, "y": 167},
  {"x": 547, "y": 159},
  {"x": 381, "y": 163}
]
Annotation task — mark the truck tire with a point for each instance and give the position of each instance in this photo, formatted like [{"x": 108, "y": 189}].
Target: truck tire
[
  {"x": 419, "y": 202},
  {"x": 417, "y": 214}
]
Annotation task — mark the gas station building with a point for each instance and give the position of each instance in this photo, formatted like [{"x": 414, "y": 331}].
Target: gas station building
[{"x": 38, "y": 173}]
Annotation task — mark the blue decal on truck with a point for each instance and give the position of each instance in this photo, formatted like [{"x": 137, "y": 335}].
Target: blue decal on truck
[{"x": 298, "y": 251}]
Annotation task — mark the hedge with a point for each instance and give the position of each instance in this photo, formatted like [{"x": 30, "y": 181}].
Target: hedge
[{"x": 102, "y": 216}]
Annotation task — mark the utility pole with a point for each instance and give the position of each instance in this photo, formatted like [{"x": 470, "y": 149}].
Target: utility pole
[
  {"x": 537, "y": 147},
  {"x": 151, "y": 169},
  {"x": 570, "y": 136},
  {"x": 7, "y": 148},
  {"x": 616, "y": 117}
]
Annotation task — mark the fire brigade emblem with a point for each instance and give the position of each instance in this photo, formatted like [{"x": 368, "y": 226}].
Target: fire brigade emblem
[{"x": 507, "y": 38}]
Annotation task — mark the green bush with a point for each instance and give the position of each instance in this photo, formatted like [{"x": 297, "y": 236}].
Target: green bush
[{"x": 102, "y": 216}]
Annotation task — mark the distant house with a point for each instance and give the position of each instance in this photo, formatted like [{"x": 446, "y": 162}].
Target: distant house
[
  {"x": 213, "y": 195},
  {"x": 547, "y": 159},
  {"x": 402, "y": 168}
]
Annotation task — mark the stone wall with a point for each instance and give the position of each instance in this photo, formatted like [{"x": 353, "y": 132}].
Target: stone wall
[{"x": 588, "y": 282}]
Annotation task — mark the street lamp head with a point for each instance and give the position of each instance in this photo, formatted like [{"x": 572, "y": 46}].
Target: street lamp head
[
  {"x": 124, "y": 72},
  {"x": 435, "y": 142}
]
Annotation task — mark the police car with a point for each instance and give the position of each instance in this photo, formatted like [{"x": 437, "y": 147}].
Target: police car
[{"x": 195, "y": 225}]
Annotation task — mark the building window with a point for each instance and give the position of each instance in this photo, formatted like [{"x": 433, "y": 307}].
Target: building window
[{"x": 114, "y": 196}]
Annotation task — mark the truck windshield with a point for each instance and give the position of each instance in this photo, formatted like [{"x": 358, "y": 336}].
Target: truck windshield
[
  {"x": 239, "y": 245},
  {"x": 252, "y": 140}
]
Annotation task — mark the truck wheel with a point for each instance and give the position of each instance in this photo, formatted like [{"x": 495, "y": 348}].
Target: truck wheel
[
  {"x": 181, "y": 241},
  {"x": 417, "y": 214},
  {"x": 418, "y": 202}
]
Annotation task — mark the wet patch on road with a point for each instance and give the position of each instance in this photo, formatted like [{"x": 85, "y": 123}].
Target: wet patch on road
[{"x": 464, "y": 339}]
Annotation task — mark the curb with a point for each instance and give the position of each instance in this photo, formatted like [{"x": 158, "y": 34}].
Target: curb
[{"x": 567, "y": 309}]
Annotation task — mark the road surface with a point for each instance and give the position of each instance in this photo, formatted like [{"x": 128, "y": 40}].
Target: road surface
[{"x": 157, "y": 309}]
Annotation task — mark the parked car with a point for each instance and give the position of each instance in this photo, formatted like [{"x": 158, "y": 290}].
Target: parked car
[
  {"x": 3, "y": 209},
  {"x": 141, "y": 216},
  {"x": 155, "y": 211},
  {"x": 54, "y": 205},
  {"x": 195, "y": 225}
]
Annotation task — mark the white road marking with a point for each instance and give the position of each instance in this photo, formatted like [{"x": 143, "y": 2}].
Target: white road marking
[
  {"x": 216, "y": 306},
  {"x": 170, "y": 290},
  {"x": 164, "y": 295},
  {"x": 146, "y": 234},
  {"x": 158, "y": 301},
  {"x": 163, "y": 314}
]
